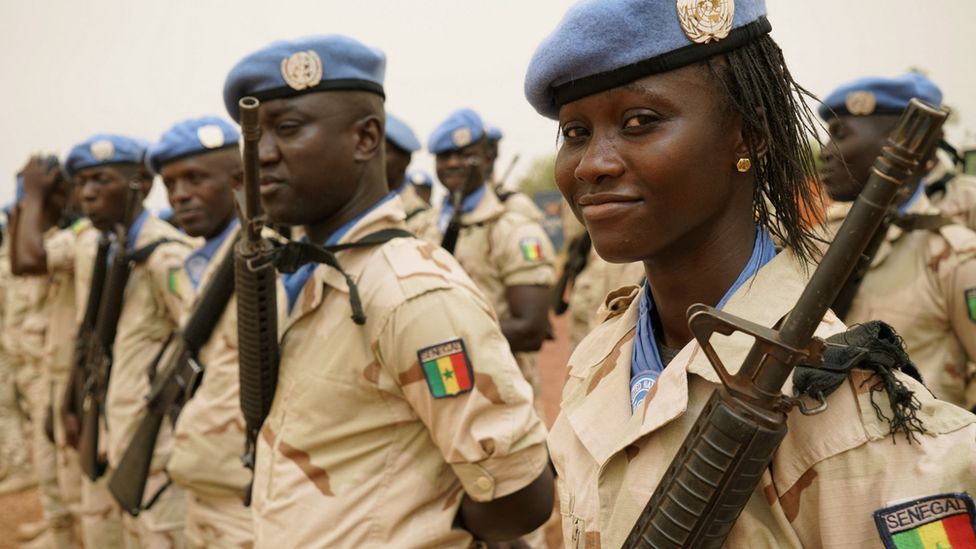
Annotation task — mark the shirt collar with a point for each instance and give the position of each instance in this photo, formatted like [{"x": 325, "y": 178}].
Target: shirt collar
[
  {"x": 196, "y": 263},
  {"x": 468, "y": 205},
  {"x": 135, "y": 229}
]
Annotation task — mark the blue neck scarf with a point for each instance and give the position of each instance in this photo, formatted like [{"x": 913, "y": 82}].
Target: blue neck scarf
[
  {"x": 918, "y": 192},
  {"x": 196, "y": 263},
  {"x": 645, "y": 362},
  {"x": 468, "y": 204},
  {"x": 294, "y": 282}
]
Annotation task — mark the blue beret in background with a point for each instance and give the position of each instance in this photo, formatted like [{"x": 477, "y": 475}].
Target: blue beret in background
[
  {"x": 879, "y": 95},
  {"x": 462, "y": 128},
  {"x": 495, "y": 133},
  {"x": 19, "y": 189},
  {"x": 190, "y": 138},
  {"x": 401, "y": 135},
  {"x": 420, "y": 178},
  {"x": 104, "y": 149},
  {"x": 292, "y": 67},
  {"x": 602, "y": 44}
]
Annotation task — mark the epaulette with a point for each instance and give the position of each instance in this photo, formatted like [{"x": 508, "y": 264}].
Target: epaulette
[{"x": 617, "y": 301}]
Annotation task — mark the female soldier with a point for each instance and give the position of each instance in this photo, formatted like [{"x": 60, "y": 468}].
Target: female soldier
[{"x": 684, "y": 146}]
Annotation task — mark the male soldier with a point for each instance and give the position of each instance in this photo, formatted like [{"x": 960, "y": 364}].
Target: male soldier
[
  {"x": 411, "y": 428},
  {"x": 422, "y": 184},
  {"x": 515, "y": 201},
  {"x": 200, "y": 164},
  {"x": 507, "y": 255},
  {"x": 52, "y": 321},
  {"x": 104, "y": 165},
  {"x": 401, "y": 143},
  {"x": 922, "y": 279}
]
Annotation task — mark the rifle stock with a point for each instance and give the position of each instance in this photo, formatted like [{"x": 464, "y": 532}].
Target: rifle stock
[
  {"x": 722, "y": 459},
  {"x": 257, "y": 317}
]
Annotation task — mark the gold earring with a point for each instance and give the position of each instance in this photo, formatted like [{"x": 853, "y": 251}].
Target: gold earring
[{"x": 743, "y": 165}]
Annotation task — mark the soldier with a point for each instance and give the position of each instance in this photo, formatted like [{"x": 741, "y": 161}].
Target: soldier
[
  {"x": 200, "y": 166},
  {"x": 104, "y": 165},
  {"x": 422, "y": 184},
  {"x": 684, "y": 146},
  {"x": 508, "y": 255},
  {"x": 401, "y": 143},
  {"x": 415, "y": 427},
  {"x": 922, "y": 280},
  {"x": 950, "y": 190},
  {"x": 514, "y": 200},
  {"x": 53, "y": 321}
]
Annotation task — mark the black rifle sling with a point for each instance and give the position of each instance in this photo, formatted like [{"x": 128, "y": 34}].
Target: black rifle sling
[{"x": 290, "y": 257}]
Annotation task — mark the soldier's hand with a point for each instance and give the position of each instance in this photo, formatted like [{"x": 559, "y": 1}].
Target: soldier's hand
[
  {"x": 41, "y": 175},
  {"x": 49, "y": 424}
]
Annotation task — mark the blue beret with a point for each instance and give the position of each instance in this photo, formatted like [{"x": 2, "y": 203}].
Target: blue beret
[
  {"x": 190, "y": 138},
  {"x": 420, "y": 178},
  {"x": 603, "y": 44},
  {"x": 104, "y": 149},
  {"x": 19, "y": 189},
  {"x": 292, "y": 67},
  {"x": 878, "y": 95},
  {"x": 462, "y": 128},
  {"x": 495, "y": 133},
  {"x": 401, "y": 135}
]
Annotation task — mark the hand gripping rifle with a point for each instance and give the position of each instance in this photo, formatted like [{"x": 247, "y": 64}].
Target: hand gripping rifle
[
  {"x": 99, "y": 363},
  {"x": 257, "y": 317},
  {"x": 179, "y": 378},
  {"x": 719, "y": 466},
  {"x": 74, "y": 394}
]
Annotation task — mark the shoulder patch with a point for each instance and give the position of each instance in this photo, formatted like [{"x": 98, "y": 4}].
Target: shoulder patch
[
  {"x": 970, "y": 296},
  {"x": 531, "y": 249},
  {"x": 447, "y": 368},
  {"x": 80, "y": 225},
  {"x": 943, "y": 520}
]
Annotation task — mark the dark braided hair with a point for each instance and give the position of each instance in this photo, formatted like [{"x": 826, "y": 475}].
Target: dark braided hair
[{"x": 778, "y": 127}]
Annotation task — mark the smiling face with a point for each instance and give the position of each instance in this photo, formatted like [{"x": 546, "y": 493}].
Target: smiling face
[
  {"x": 201, "y": 190},
  {"x": 463, "y": 168},
  {"x": 649, "y": 167}
]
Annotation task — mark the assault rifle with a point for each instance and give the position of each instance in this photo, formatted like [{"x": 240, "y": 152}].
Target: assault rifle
[
  {"x": 257, "y": 315},
  {"x": 178, "y": 379},
  {"x": 722, "y": 459},
  {"x": 74, "y": 393},
  {"x": 99, "y": 361}
]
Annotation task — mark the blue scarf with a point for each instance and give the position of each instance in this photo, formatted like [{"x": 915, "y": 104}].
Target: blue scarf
[
  {"x": 294, "y": 282},
  {"x": 196, "y": 263},
  {"x": 468, "y": 204},
  {"x": 645, "y": 362}
]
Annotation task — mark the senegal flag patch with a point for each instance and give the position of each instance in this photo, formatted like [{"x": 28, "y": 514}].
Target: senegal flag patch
[
  {"x": 447, "y": 368},
  {"x": 941, "y": 521},
  {"x": 971, "y": 303},
  {"x": 531, "y": 249}
]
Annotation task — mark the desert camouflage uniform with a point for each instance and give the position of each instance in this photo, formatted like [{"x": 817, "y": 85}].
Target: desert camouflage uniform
[
  {"x": 830, "y": 474},
  {"x": 356, "y": 451}
]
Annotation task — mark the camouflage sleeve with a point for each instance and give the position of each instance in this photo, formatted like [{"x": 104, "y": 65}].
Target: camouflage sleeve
[
  {"x": 455, "y": 369},
  {"x": 60, "y": 250},
  {"x": 524, "y": 253},
  {"x": 171, "y": 289},
  {"x": 959, "y": 286}
]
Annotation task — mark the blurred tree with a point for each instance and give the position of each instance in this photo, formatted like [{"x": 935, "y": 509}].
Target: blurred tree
[{"x": 539, "y": 177}]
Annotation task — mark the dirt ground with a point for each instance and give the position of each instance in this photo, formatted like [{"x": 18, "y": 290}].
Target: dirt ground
[{"x": 23, "y": 507}]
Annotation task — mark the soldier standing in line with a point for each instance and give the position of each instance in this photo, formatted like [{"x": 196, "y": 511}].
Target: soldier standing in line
[
  {"x": 684, "y": 146},
  {"x": 922, "y": 280},
  {"x": 401, "y": 143},
  {"x": 508, "y": 255},
  {"x": 422, "y": 184},
  {"x": 411, "y": 427}
]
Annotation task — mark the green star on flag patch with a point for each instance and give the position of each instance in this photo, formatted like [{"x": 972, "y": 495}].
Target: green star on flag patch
[
  {"x": 446, "y": 368},
  {"x": 946, "y": 521}
]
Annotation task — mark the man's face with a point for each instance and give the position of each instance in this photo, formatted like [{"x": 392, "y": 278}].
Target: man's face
[
  {"x": 462, "y": 169},
  {"x": 201, "y": 191},
  {"x": 397, "y": 161},
  {"x": 104, "y": 190},
  {"x": 855, "y": 142},
  {"x": 307, "y": 153}
]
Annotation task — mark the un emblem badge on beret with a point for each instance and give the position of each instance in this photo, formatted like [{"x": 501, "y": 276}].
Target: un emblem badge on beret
[
  {"x": 210, "y": 136},
  {"x": 461, "y": 137},
  {"x": 860, "y": 103},
  {"x": 704, "y": 21},
  {"x": 418, "y": 179},
  {"x": 102, "y": 150},
  {"x": 302, "y": 69}
]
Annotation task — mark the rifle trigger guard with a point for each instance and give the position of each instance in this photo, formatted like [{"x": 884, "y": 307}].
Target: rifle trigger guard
[{"x": 804, "y": 409}]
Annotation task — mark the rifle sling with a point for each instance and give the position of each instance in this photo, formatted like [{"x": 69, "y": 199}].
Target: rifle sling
[{"x": 293, "y": 255}]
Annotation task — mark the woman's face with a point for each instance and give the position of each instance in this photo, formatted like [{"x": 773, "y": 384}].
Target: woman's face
[{"x": 649, "y": 167}]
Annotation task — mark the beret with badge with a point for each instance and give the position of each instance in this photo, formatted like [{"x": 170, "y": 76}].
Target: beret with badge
[
  {"x": 401, "y": 135},
  {"x": 288, "y": 68},
  {"x": 105, "y": 149},
  {"x": 878, "y": 95},
  {"x": 420, "y": 178},
  {"x": 461, "y": 128},
  {"x": 580, "y": 57},
  {"x": 190, "y": 138}
]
